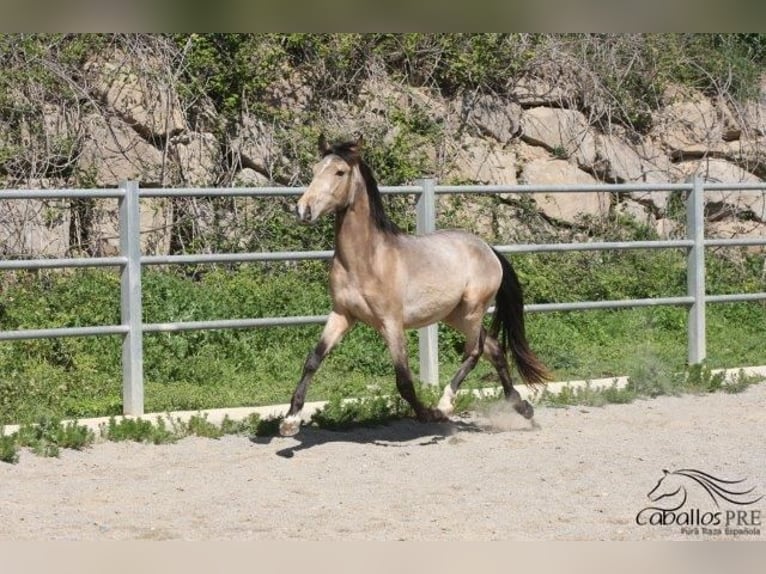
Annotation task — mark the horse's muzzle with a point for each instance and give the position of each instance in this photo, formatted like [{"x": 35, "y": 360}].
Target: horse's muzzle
[{"x": 303, "y": 213}]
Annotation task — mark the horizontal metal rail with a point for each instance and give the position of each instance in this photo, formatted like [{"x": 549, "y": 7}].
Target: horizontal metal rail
[
  {"x": 291, "y": 321},
  {"x": 579, "y": 188},
  {"x": 235, "y": 257},
  {"x": 25, "y": 334},
  {"x": 234, "y": 324},
  {"x": 735, "y": 242},
  {"x": 610, "y": 304},
  {"x": 594, "y": 246},
  {"x": 62, "y": 194},
  {"x": 202, "y": 258},
  {"x": 753, "y": 186},
  {"x": 735, "y": 297},
  {"x": 62, "y": 263},
  {"x": 131, "y": 261},
  {"x": 221, "y": 192},
  {"x": 255, "y": 191}
]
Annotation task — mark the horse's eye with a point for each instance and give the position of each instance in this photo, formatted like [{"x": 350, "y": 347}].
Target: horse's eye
[{"x": 340, "y": 172}]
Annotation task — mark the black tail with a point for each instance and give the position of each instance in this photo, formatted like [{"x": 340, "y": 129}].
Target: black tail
[{"x": 508, "y": 326}]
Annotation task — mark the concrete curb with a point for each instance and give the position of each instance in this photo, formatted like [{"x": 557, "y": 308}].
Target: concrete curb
[{"x": 216, "y": 416}]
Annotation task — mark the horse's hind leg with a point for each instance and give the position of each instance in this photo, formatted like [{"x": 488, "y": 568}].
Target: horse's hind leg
[
  {"x": 473, "y": 350},
  {"x": 495, "y": 354},
  {"x": 336, "y": 326},
  {"x": 470, "y": 326}
]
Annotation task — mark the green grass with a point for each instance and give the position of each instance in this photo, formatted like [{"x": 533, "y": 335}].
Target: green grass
[
  {"x": 81, "y": 377},
  {"x": 9, "y": 447},
  {"x": 49, "y": 436},
  {"x": 647, "y": 383}
]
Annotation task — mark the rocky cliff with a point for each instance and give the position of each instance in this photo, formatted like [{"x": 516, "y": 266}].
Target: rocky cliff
[{"x": 131, "y": 119}]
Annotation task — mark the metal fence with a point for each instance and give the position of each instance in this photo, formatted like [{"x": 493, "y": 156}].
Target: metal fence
[{"x": 130, "y": 262}]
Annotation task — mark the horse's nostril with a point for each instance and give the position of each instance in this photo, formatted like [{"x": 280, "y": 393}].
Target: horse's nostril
[{"x": 303, "y": 214}]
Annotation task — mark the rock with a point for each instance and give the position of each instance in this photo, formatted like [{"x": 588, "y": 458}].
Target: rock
[
  {"x": 60, "y": 122},
  {"x": 141, "y": 93},
  {"x": 667, "y": 227},
  {"x": 731, "y": 228},
  {"x": 622, "y": 162},
  {"x": 749, "y": 153},
  {"x": 750, "y": 204},
  {"x": 493, "y": 116},
  {"x": 254, "y": 145},
  {"x": 618, "y": 161},
  {"x": 730, "y": 125},
  {"x": 34, "y": 228},
  {"x": 635, "y": 210},
  {"x": 478, "y": 161},
  {"x": 156, "y": 225},
  {"x": 689, "y": 126},
  {"x": 156, "y": 219},
  {"x": 526, "y": 153},
  {"x": 565, "y": 133},
  {"x": 199, "y": 159},
  {"x": 112, "y": 152},
  {"x": 248, "y": 177},
  {"x": 567, "y": 206},
  {"x": 752, "y": 116},
  {"x": 551, "y": 84},
  {"x": 716, "y": 171}
]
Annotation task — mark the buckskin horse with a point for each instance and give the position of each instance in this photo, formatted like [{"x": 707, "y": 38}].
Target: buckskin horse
[{"x": 393, "y": 281}]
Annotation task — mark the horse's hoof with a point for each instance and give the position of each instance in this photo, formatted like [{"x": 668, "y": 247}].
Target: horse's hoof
[
  {"x": 446, "y": 406},
  {"x": 432, "y": 416},
  {"x": 290, "y": 426},
  {"x": 446, "y": 411},
  {"x": 525, "y": 410}
]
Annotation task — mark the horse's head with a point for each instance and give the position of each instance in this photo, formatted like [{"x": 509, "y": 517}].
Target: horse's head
[
  {"x": 668, "y": 485},
  {"x": 332, "y": 187}
]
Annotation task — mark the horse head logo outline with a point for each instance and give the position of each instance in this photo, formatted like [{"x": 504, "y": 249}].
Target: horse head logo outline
[{"x": 672, "y": 486}]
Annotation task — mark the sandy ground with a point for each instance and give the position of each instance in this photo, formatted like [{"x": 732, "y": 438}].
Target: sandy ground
[{"x": 583, "y": 474}]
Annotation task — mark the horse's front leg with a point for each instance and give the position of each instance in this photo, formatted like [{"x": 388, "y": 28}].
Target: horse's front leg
[
  {"x": 336, "y": 326},
  {"x": 397, "y": 345}
]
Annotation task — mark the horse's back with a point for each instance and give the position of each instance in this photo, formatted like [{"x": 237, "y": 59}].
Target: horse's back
[
  {"x": 451, "y": 249},
  {"x": 442, "y": 270}
]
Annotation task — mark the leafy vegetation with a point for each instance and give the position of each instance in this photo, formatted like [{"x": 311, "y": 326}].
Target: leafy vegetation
[
  {"x": 617, "y": 78},
  {"x": 78, "y": 377},
  {"x": 49, "y": 435},
  {"x": 651, "y": 382},
  {"x": 9, "y": 448},
  {"x": 340, "y": 413}
]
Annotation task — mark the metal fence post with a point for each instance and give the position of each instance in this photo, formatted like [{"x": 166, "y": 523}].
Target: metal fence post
[
  {"x": 695, "y": 271},
  {"x": 428, "y": 337},
  {"x": 130, "y": 301}
]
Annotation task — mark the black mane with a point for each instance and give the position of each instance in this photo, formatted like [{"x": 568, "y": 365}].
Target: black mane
[{"x": 349, "y": 152}]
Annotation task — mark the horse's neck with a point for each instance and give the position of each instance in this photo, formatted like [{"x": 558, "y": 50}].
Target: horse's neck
[{"x": 356, "y": 234}]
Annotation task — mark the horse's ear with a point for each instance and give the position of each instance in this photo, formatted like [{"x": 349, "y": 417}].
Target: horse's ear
[
  {"x": 323, "y": 147},
  {"x": 359, "y": 143}
]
